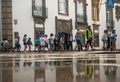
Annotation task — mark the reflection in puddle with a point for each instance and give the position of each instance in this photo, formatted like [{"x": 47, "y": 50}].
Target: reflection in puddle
[{"x": 65, "y": 70}]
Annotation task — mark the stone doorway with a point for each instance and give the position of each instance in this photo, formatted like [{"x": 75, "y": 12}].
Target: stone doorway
[
  {"x": 39, "y": 28},
  {"x": 63, "y": 26}
]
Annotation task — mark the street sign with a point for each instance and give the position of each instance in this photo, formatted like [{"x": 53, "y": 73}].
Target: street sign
[{"x": 110, "y": 3}]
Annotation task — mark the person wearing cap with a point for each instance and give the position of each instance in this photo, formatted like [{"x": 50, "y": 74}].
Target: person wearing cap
[
  {"x": 88, "y": 35},
  {"x": 105, "y": 39},
  {"x": 51, "y": 41}
]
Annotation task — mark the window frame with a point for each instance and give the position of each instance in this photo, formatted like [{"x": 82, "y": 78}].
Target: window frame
[
  {"x": 43, "y": 10},
  {"x": 95, "y": 15},
  {"x": 84, "y": 11},
  {"x": 67, "y": 8},
  {"x": 81, "y": 20},
  {"x": 109, "y": 18}
]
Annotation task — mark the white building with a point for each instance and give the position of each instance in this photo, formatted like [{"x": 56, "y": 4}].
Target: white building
[{"x": 34, "y": 17}]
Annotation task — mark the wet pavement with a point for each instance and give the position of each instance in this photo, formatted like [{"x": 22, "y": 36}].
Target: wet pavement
[{"x": 59, "y": 67}]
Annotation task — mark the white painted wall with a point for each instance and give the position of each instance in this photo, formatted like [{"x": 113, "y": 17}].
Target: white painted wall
[
  {"x": 53, "y": 11},
  {"x": 102, "y": 22},
  {"x": 50, "y": 74},
  {"x": 22, "y": 11},
  {"x": 117, "y": 28},
  {"x": 89, "y": 13},
  {"x": 23, "y": 74}
]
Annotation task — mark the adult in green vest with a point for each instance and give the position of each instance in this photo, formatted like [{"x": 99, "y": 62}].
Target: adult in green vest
[
  {"x": 89, "y": 71},
  {"x": 88, "y": 36}
]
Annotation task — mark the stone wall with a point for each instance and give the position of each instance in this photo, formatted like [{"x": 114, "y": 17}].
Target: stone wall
[
  {"x": 7, "y": 20},
  {"x": 0, "y": 21}
]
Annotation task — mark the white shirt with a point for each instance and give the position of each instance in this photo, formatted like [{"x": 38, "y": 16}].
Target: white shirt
[
  {"x": 71, "y": 37},
  {"x": 42, "y": 41},
  {"x": 46, "y": 39},
  {"x": 104, "y": 37},
  {"x": 52, "y": 40}
]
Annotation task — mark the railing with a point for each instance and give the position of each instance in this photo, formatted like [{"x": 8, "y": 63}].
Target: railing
[
  {"x": 82, "y": 18},
  {"x": 39, "y": 11}
]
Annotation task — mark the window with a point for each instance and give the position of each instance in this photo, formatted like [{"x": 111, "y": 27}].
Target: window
[
  {"x": 63, "y": 7},
  {"x": 109, "y": 20},
  {"x": 37, "y": 5},
  {"x": 95, "y": 13},
  {"x": 95, "y": 10},
  {"x": 39, "y": 9},
  {"x": 108, "y": 17},
  {"x": 117, "y": 12},
  {"x": 38, "y": 2},
  {"x": 80, "y": 12}
]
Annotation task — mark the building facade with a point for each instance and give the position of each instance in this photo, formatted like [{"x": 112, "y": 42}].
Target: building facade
[{"x": 35, "y": 17}]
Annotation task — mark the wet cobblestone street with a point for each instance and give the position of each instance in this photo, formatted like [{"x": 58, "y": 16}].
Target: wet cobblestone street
[{"x": 59, "y": 67}]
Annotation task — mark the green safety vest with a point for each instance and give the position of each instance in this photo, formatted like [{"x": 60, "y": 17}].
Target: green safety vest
[
  {"x": 89, "y": 34},
  {"x": 89, "y": 71}
]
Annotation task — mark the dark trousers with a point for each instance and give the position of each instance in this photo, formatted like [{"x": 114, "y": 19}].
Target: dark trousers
[
  {"x": 56, "y": 47},
  {"x": 70, "y": 45},
  {"x": 89, "y": 42}
]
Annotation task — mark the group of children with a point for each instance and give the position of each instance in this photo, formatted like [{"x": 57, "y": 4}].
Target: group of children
[
  {"x": 43, "y": 43},
  {"x": 109, "y": 40},
  {"x": 59, "y": 43}
]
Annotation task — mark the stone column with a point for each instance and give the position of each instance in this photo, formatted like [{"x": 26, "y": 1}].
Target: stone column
[
  {"x": 7, "y": 20},
  {"x": 0, "y": 22},
  {"x": 0, "y": 71}
]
